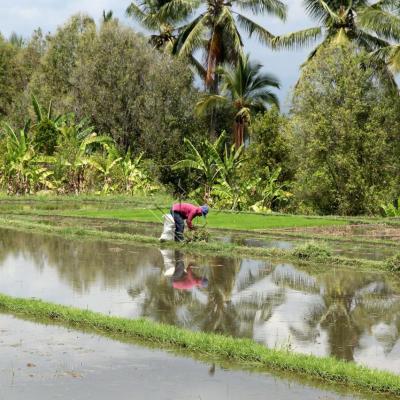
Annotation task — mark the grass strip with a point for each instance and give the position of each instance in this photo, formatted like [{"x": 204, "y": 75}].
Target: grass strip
[
  {"x": 261, "y": 234},
  {"x": 240, "y": 351},
  {"x": 216, "y": 220},
  {"x": 217, "y": 248}
]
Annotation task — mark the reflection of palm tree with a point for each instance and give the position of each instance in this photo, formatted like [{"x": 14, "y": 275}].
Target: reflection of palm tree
[
  {"x": 220, "y": 315},
  {"x": 234, "y": 305},
  {"x": 161, "y": 300},
  {"x": 346, "y": 311}
]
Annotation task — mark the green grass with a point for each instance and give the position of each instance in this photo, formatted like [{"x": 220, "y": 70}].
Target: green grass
[
  {"x": 216, "y": 219},
  {"x": 241, "y": 351},
  {"x": 271, "y": 233},
  {"x": 214, "y": 248}
]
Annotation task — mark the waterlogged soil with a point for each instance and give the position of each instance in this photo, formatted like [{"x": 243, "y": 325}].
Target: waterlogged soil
[
  {"x": 365, "y": 231},
  {"x": 348, "y": 314},
  {"x": 52, "y": 362},
  {"x": 351, "y": 250}
]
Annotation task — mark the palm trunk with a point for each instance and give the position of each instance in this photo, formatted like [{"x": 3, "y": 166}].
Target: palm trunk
[{"x": 238, "y": 132}]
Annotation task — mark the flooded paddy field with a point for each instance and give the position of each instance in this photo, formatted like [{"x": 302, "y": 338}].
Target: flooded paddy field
[
  {"x": 362, "y": 231},
  {"x": 51, "y": 362},
  {"x": 368, "y": 251},
  {"x": 349, "y": 314}
]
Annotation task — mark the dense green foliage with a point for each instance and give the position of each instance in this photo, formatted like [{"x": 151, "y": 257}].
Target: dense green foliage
[
  {"x": 99, "y": 108},
  {"x": 347, "y": 131}
]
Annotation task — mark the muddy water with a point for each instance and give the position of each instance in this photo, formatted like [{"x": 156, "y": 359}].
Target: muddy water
[
  {"x": 50, "y": 362},
  {"x": 348, "y": 314},
  {"x": 351, "y": 250}
]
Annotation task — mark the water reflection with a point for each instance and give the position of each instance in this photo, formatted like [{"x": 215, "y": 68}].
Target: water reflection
[
  {"x": 348, "y": 314},
  {"x": 347, "y": 249}
]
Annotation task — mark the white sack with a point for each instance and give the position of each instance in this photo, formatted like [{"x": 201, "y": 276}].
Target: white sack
[{"x": 168, "y": 234}]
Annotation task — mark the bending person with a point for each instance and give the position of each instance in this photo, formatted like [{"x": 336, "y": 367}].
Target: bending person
[{"x": 186, "y": 211}]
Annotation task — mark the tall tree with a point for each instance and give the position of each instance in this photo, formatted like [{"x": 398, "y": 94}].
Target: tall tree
[
  {"x": 247, "y": 90},
  {"x": 345, "y": 122},
  {"x": 215, "y": 32},
  {"x": 344, "y": 21},
  {"x": 161, "y": 18},
  {"x": 384, "y": 18}
]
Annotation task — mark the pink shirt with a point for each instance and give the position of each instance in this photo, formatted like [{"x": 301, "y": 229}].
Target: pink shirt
[{"x": 188, "y": 212}]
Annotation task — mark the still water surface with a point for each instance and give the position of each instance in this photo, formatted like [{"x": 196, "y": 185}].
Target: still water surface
[
  {"x": 348, "y": 314},
  {"x": 51, "y": 362}
]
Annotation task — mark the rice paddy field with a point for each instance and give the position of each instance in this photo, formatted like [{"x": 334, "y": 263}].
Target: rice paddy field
[{"x": 261, "y": 312}]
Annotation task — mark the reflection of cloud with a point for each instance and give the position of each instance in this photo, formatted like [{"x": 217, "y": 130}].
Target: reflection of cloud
[
  {"x": 372, "y": 351},
  {"x": 291, "y": 317}
]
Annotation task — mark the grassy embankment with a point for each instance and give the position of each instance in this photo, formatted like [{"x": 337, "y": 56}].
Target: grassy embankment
[
  {"x": 147, "y": 209},
  {"x": 312, "y": 255},
  {"x": 244, "y": 352},
  {"x": 272, "y": 233}
]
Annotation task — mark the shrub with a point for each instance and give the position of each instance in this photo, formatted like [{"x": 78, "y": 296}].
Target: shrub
[
  {"x": 312, "y": 250},
  {"x": 346, "y": 124},
  {"x": 393, "y": 263},
  {"x": 45, "y": 135}
]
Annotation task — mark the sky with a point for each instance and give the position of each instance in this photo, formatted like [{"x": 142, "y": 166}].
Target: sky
[{"x": 23, "y": 16}]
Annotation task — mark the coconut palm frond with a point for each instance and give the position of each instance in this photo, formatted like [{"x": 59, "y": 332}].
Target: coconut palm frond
[
  {"x": 321, "y": 10},
  {"x": 177, "y": 10},
  {"x": 191, "y": 37},
  {"x": 298, "y": 39},
  {"x": 273, "y": 7},
  {"x": 262, "y": 34},
  {"x": 381, "y": 22},
  {"x": 209, "y": 102}
]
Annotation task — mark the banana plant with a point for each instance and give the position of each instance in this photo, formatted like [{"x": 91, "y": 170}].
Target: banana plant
[
  {"x": 134, "y": 176},
  {"x": 74, "y": 152},
  {"x": 104, "y": 164},
  {"x": 23, "y": 170},
  {"x": 204, "y": 162},
  {"x": 391, "y": 209},
  {"x": 272, "y": 191}
]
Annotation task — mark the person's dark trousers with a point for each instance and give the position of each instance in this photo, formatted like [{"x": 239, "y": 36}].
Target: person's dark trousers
[{"x": 179, "y": 226}]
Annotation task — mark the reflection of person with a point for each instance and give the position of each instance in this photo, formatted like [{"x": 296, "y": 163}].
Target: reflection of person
[
  {"x": 186, "y": 211},
  {"x": 182, "y": 278},
  {"x": 185, "y": 279}
]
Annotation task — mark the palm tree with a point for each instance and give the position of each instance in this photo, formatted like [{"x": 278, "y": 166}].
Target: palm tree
[
  {"x": 161, "y": 17},
  {"x": 215, "y": 31},
  {"x": 344, "y": 21},
  {"x": 246, "y": 89},
  {"x": 384, "y": 18}
]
